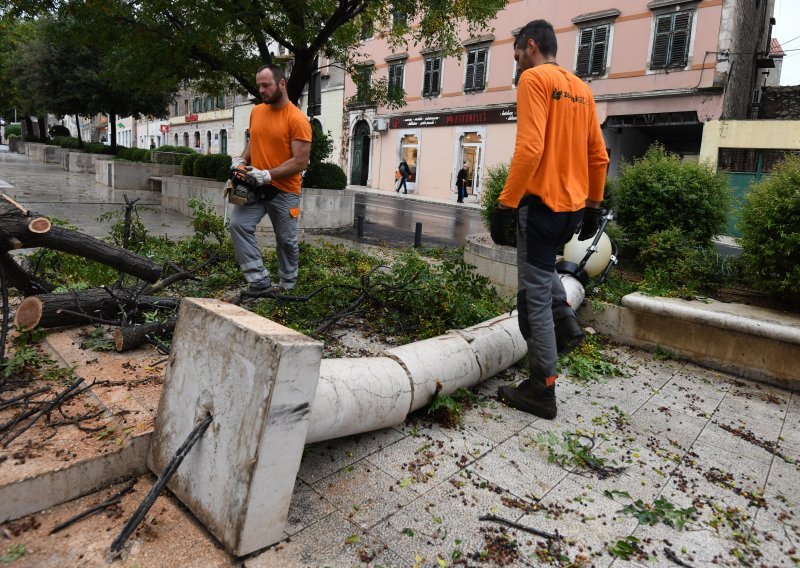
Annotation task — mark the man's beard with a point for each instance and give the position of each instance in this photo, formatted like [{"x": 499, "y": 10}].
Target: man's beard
[{"x": 273, "y": 99}]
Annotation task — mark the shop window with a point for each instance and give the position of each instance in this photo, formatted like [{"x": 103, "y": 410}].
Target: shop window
[
  {"x": 592, "y": 51},
  {"x": 476, "y": 69},
  {"x": 671, "y": 42},
  {"x": 432, "y": 79},
  {"x": 409, "y": 150}
]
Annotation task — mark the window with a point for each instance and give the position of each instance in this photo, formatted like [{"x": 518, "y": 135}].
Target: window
[
  {"x": 399, "y": 18},
  {"x": 592, "y": 50},
  {"x": 409, "y": 151},
  {"x": 185, "y": 106},
  {"x": 220, "y": 101},
  {"x": 363, "y": 83},
  {"x": 209, "y": 103},
  {"x": 432, "y": 79},
  {"x": 396, "y": 80},
  {"x": 175, "y": 108},
  {"x": 476, "y": 69},
  {"x": 197, "y": 104},
  {"x": 671, "y": 43}
]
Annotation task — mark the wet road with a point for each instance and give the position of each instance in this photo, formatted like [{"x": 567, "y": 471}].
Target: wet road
[{"x": 442, "y": 224}]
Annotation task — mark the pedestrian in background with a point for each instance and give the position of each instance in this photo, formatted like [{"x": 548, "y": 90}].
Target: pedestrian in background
[
  {"x": 277, "y": 151},
  {"x": 555, "y": 183},
  {"x": 461, "y": 183},
  {"x": 404, "y": 171}
]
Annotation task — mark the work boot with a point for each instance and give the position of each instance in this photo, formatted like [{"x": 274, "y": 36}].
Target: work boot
[
  {"x": 568, "y": 334},
  {"x": 537, "y": 397},
  {"x": 260, "y": 287}
]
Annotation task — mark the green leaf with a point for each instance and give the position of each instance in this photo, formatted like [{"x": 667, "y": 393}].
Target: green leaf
[{"x": 352, "y": 539}]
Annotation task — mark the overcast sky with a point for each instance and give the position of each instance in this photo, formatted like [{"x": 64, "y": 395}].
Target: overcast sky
[{"x": 787, "y": 30}]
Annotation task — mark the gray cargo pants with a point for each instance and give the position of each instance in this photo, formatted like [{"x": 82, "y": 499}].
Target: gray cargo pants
[
  {"x": 243, "y": 233},
  {"x": 541, "y": 298}
]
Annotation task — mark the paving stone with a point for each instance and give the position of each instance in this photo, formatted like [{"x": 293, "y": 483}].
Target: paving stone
[
  {"x": 307, "y": 507},
  {"x": 325, "y": 458},
  {"x": 333, "y": 541},
  {"x": 670, "y": 425},
  {"x": 430, "y": 457},
  {"x": 363, "y": 493},
  {"x": 581, "y": 515},
  {"x": 717, "y": 437},
  {"x": 446, "y": 519},
  {"x": 778, "y": 528},
  {"x": 520, "y": 467},
  {"x": 698, "y": 548},
  {"x": 784, "y": 478}
]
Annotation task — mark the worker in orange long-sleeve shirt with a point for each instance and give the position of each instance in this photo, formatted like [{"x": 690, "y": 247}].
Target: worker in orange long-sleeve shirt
[{"x": 556, "y": 185}]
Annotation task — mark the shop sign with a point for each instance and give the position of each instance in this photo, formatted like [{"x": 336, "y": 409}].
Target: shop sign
[
  {"x": 486, "y": 116},
  {"x": 191, "y": 118},
  {"x": 164, "y": 128}
]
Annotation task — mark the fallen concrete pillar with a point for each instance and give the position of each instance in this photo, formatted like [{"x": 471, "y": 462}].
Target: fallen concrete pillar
[{"x": 257, "y": 379}]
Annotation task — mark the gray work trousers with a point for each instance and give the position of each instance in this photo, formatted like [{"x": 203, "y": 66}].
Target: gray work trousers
[
  {"x": 541, "y": 298},
  {"x": 243, "y": 232}
]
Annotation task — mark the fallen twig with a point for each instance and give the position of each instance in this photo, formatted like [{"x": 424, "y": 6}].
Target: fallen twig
[
  {"x": 674, "y": 557},
  {"x": 116, "y": 498},
  {"x": 23, "y": 396},
  {"x": 159, "y": 485},
  {"x": 69, "y": 392},
  {"x": 512, "y": 524}
]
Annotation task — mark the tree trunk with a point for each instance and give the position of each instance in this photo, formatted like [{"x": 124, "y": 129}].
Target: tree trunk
[
  {"x": 42, "y": 120},
  {"x": 19, "y": 278},
  {"x": 75, "y": 308},
  {"x": 16, "y": 223},
  {"x": 112, "y": 130},
  {"x": 132, "y": 336},
  {"x": 29, "y": 127},
  {"x": 78, "y": 128}
]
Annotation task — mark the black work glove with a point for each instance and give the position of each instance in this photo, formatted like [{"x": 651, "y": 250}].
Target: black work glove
[
  {"x": 591, "y": 222},
  {"x": 499, "y": 228}
]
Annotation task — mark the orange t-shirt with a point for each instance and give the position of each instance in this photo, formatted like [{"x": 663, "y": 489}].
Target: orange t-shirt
[
  {"x": 271, "y": 135},
  {"x": 560, "y": 154}
]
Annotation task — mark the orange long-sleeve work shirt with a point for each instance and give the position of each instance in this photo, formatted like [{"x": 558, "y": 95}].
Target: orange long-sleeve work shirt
[{"x": 560, "y": 154}]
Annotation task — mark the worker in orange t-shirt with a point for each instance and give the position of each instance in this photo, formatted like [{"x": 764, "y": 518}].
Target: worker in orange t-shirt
[
  {"x": 555, "y": 184},
  {"x": 270, "y": 166}
]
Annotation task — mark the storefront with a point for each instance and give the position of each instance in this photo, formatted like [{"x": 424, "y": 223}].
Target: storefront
[{"x": 435, "y": 146}]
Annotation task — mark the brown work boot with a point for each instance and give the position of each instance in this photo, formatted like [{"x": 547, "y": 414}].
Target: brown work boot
[
  {"x": 534, "y": 396},
  {"x": 569, "y": 334}
]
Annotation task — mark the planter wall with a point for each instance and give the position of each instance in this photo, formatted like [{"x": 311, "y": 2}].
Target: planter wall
[
  {"x": 119, "y": 174},
  {"x": 16, "y": 145},
  {"x": 319, "y": 208},
  {"x": 497, "y": 263},
  {"x": 81, "y": 162},
  {"x": 45, "y": 153}
]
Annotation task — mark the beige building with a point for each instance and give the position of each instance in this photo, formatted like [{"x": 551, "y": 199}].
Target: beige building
[{"x": 660, "y": 70}]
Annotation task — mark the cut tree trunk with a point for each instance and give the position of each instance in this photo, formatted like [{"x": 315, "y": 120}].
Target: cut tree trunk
[
  {"x": 132, "y": 336},
  {"x": 75, "y": 308},
  {"x": 21, "y": 279},
  {"x": 18, "y": 226}
]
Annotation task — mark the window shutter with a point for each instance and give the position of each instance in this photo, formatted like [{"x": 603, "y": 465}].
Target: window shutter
[
  {"x": 469, "y": 81},
  {"x": 661, "y": 43},
  {"x": 436, "y": 76},
  {"x": 680, "y": 40},
  {"x": 426, "y": 79},
  {"x": 480, "y": 68},
  {"x": 584, "y": 52},
  {"x": 598, "y": 65}
]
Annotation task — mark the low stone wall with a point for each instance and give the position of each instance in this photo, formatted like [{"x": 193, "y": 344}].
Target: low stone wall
[
  {"x": 83, "y": 163},
  {"x": 119, "y": 174},
  {"x": 45, "y": 153},
  {"x": 497, "y": 263},
  {"x": 16, "y": 144},
  {"x": 319, "y": 208}
]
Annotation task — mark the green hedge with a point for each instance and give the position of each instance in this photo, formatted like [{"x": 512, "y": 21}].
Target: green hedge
[
  {"x": 325, "y": 176},
  {"x": 176, "y": 149},
  {"x": 493, "y": 184},
  {"x": 14, "y": 130},
  {"x": 187, "y": 165},
  {"x": 66, "y": 142},
  {"x": 771, "y": 233},
  {"x": 98, "y": 148},
  {"x": 659, "y": 192},
  {"x": 213, "y": 166}
]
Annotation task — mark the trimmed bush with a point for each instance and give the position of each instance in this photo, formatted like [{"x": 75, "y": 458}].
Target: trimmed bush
[
  {"x": 493, "y": 183},
  {"x": 14, "y": 130},
  {"x": 321, "y": 146},
  {"x": 325, "y": 176},
  {"x": 771, "y": 234},
  {"x": 658, "y": 192},
  {"x": 187, "y": 165},
  {"x": 176, "y": 149},
  {"x": 214, "y": 166},
  {"x": 674, "y": 263},
  {"x": 58, "y": 130},
  {"x": 97, "y": 148},
  {"x": 66, "y": 142}
]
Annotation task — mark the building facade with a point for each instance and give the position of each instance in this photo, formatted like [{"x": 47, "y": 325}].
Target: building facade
[{"x": 659, "y": 71}]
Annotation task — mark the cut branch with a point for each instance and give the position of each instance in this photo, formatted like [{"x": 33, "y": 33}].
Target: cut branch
[{"x": 131, "y": 337}]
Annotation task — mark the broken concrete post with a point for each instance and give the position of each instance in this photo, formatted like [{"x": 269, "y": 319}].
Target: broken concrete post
[{"x": 257, "y": 379}]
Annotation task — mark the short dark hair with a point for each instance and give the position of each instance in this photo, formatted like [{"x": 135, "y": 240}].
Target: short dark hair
[
  {"x": 277, "y": 71},
  {"x": 541, "y": 32}
]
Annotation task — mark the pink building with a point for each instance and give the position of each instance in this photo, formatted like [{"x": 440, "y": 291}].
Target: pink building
[{"x": 659, "y": 70}]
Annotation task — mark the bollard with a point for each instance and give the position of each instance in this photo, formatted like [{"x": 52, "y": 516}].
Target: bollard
[
  {"x": 360, "y": 226},
  {"x": 418, "y": 236}
]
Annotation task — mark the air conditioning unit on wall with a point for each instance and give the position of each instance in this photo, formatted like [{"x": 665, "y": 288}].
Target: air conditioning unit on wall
[{"x": 380, "y": 124}]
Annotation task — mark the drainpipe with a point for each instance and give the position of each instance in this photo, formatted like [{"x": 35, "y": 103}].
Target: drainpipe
[{"x": 370, "y": 393}]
